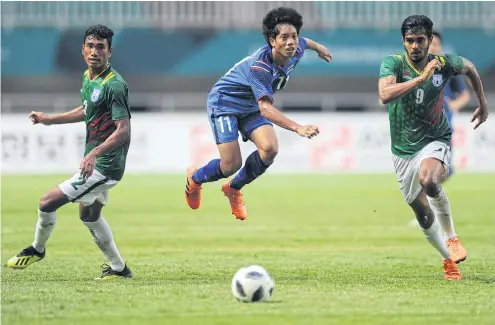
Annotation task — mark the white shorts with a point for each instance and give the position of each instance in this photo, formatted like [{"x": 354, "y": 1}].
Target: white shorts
[
  {"x": 407, "y": 169},
  {"x": 88, "y": 191}
]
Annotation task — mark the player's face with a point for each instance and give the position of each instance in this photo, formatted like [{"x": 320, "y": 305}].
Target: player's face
[
  {"x": 435, "y": 46},
  {"x": 286, "y": 42},
  {"x": 96, "y": 52},
  {"x": 416, "y": 46}
]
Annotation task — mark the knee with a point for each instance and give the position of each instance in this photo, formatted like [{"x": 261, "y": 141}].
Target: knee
[
  {"x": 231, "y": 166},
  {"x": 49, "y": 203},
  {"x": 86, "y": 214},
  {"x": 268, "y": 151},
  {"x": 430, "y": 183}
]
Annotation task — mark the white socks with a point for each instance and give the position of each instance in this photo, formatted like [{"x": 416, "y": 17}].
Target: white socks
[
  {"x": 441, "y": 208},
  {"x": 102, "y": 235},
  {"x": 44, "y": 228},
  {"x": 435, "y": 237},
  {"x": 100, "y": 230}
]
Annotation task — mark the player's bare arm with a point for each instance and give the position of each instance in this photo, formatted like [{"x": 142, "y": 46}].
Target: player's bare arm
[
  {"x": 322, "y": 51},
  {"x": 116, "y": 139},
  {"x": 481, "y": 113},
  {"x": 389, "y": 90},
  {"x": 73, "y": 116},
  {"x": 274, "y": 115}
]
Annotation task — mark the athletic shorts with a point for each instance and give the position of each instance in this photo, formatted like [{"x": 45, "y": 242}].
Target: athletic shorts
[
  {"x": 95, "y": 188},
  {"x": 407, "y": 169},
  {"x": 226, "y": 127}
]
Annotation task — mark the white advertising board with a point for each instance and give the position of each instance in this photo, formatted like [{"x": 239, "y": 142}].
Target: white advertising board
[{"x": 168, "y": 143}]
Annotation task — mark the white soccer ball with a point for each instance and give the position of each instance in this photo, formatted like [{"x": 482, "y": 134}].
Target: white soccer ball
[{"x": 252, "y": 284}]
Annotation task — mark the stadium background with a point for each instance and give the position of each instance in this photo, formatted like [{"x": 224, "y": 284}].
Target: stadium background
[{"x": 171, "y": 53}]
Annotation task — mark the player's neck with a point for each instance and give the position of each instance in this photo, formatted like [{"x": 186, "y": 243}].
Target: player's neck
[
  {"x": 419, "y": 66},
  {"x": 96, "y": 72},
  {"x": 279, "y": 60}
]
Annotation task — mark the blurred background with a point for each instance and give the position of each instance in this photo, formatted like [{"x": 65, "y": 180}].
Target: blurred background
[{"x": 171, "y": 53}]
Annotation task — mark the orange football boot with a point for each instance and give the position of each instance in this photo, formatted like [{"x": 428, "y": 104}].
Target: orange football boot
[
  {"x": 193, "y": 190},
  {"x": 457, "y": 252},
  {"x": 451, "y": 270},
  {"x": 236, "y": 203}
]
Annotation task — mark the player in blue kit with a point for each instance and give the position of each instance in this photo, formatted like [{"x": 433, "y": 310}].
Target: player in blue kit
[
  {"x": 456, "y": 94},
  {"x": 242, "y": 101}
]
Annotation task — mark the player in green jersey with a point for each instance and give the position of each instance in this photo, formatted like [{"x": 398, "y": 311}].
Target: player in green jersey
[
  {"x": 411, "y": 84},
  {"x": 455, "y": 97},
  {"x": 105, "y": 111}
]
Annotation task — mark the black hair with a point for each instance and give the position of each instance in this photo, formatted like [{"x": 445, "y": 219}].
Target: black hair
[
  {"x": 437, "y": 34},
  {"x": 417, "y": 24},
  {"x": 278, "y": 16},
  {"x": 100, "y": 32}
]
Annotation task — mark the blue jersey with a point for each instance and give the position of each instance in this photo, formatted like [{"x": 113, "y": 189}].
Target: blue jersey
[
  {"x": 454, "y": 86},
  {"x": 251, "y": 79}
]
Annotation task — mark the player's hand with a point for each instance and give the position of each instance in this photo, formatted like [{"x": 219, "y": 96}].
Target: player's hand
[
  {"x": 41, "y": 118},
  {"x": 480, "y": 114},
  {"x": 308, "y": 131},
  {"x": 431, "y": 67},
  {"x": 324, "y": 53},
  {"x": 87, "y": 165}
]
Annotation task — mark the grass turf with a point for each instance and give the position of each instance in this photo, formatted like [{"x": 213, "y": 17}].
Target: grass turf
[{"x": 339, "y": 247}]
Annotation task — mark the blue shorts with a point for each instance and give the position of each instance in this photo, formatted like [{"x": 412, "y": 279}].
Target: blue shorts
[{"x": 226, "y": 127}]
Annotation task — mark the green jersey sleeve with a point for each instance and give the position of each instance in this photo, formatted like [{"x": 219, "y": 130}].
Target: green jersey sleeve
[
  {"x": 118, "y": 100},
  {"x": 454, "y": 63},
  {"x": 389, "y": 66}
]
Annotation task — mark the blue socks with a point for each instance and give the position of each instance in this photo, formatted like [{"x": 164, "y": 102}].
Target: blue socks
[
  {"x": 253, "y": 168},
  {"x": 209, "y": 173}
]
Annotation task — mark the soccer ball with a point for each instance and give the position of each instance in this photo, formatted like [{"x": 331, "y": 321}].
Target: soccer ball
[{"x": 252, "y": 284}]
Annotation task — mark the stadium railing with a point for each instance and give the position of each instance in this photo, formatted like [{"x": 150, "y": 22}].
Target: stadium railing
[
  {"x": 243, "y": 14},
  {"x": 195, "y": 102}
]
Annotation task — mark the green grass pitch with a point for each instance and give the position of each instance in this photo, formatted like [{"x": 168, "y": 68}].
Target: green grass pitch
[{"x": 339, "y": 248}]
